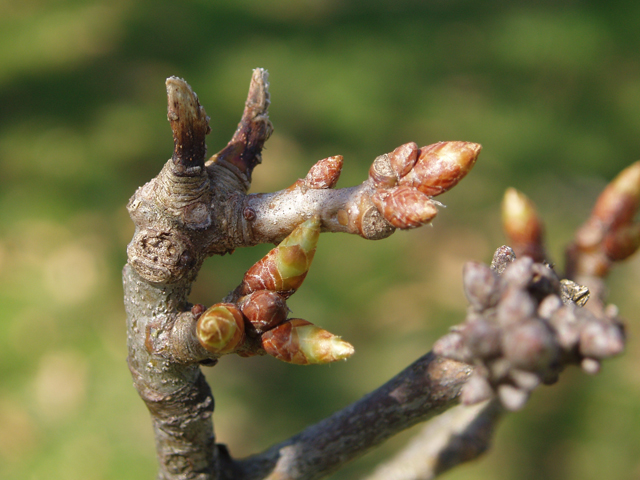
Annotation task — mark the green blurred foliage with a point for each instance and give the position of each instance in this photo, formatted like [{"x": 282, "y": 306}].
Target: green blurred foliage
[{"x": 551, "y": 89}]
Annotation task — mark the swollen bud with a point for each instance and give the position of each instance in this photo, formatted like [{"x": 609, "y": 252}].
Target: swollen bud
[
  {"x": 522, "y": 225},
  {"x": 220, "y": 329},
  {"x": 301, "y": 342},
  {"x": 264, "y": 309},
  {"x": 405, "y": 207},
  {"x": 325, "y": 173},
  {"x": 284, "y": 268},
  {"x": 441, "y": 166},
  {"x": 619, "y": 201}
]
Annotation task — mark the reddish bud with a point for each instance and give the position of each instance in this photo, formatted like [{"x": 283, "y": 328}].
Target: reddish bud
[
  {"x": 325, "y": 173},
  {"x": 403, "y": 158},
  {"x": 622, "y": 242},
  {"x": 405, "y": 207},
  {"x": 619, "y": 201},
  {"x": 264, "y": 309},
  {"x": 441, "y": 166},
  {"x": 284, "y": 268},
  {"x": 300, "y": 342},
  {"x": 220, "y": 329}
]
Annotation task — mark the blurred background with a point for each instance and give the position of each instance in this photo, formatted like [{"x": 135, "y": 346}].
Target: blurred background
[{"x": 551, "y": 90}]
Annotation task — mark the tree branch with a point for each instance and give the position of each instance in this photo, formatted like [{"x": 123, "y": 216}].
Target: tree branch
[{"x": 422, "y": 390}]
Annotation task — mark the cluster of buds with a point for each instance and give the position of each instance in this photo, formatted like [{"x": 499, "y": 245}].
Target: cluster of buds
[
  {"x": 259, "y": 310},
  {"x": 407, "y": 179},
  {"x": 523, "y": 326},
  {"x": 610, "y": 234}
]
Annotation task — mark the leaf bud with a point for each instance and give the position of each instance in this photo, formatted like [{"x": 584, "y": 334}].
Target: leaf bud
[
  {"x": 284, "y": 268},
  {"x": 264, "y": 309},
  {"x": 220, "y": 329},
  {"x": 405, "y": 207},
  {"x": 618, "y": 202},
  {"x": 325, "y": 173},
  {"x": 403, "y": 158},
  {"x": 522, "y": 225},
  {"x": 441, "y": 166},
  {"x": 301, "y": 342},
  {"x": 622, "y": 242}
]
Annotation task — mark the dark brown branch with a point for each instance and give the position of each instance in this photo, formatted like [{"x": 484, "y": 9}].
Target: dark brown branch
[
  {"x": 422, "y": 390},
  {"x": 243, "y": 152},
  {"x": 190, "y": 125}
]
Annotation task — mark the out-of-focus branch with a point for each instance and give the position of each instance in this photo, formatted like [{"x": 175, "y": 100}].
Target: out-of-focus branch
[
  {"x": 457, "y": 436},
  {"x": 422, "y": 390}
]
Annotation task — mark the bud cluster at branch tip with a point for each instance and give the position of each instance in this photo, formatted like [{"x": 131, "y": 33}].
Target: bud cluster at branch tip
[
  {"x": 284, "y": 268},
  {"x": 220, "y": 329},
  {"x": 300, "y": 342},
  {"x": 523, "y": 327},
  {"x": 610, "y": 234},
  {"x": 408, "y": 177},
  {"x": 522, "y": 225}
]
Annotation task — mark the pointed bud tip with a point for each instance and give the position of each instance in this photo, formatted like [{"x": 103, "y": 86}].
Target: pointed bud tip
[{"x": 628, "y": 181}]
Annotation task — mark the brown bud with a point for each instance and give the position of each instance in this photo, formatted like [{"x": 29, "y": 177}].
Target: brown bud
[
  {"x": 522, "y": 225},
  {"x": 264, "y": 309},
  {"x": 619, "y": 201},
  {"x": 441, "y": 166},
  {"x": 301, "y": 342},
  {"x": 622, "y": 242},
  {"x": 405, "y": 207},
  {"x": 284, "y": 268},
  {"x": 481, "y": 285},
  {"x": 403, "y": 158},
  {"x": 220, "y": 329},
  {"x": 325, "y": 173}
]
